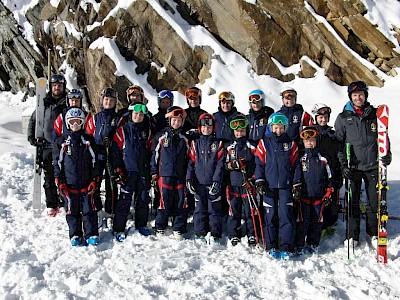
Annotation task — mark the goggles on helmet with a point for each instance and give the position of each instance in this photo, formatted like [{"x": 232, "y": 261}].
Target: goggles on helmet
[
  {"x": 289, "y": 96},
  {"x": 324, "y": 111},
  {"x": 74, "y": 94},
  {"x": 278, "y": 119},
  {"x": 206, "y": 122},
  {"x": 357, "y": 86},
  {"x": 308, "y": 133},
  {"x": 176, "y": 113},
  {"x": 139, "y": 108},
  {"x": 255, "y": 98},
  {"x": 134, "y": 90},
  {"x": 236, "y": 123},
  {"x": 226, "y": 96},
  {"x": 165, "y": 94},
  {"x": 192, "y": 93},
  {"x": 57, "y": 78},
  {"x": 109, "y": 92},
  {"x": 75, "y": 122}
]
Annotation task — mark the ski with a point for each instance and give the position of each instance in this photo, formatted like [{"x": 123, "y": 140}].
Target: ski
[
  {"x": 41, "y": 85},
  {"x": 382, "y": 117}
]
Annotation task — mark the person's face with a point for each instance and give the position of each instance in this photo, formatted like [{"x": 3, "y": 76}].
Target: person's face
[
  {"x": 109, "y": 102},
  {"x": 358, "y": 98},
  {"x": 165, "y": 102},
  {"x": 176, "y": 123},
  {"x": 137, "y": 117},
  {"x": 74, "y": 102},
  {"x": 57, "y": 89},
  {"x": 136, "y": 98},
  {"x": 206, "y": 129},
  {"x": 278, "y": 129},
  {"x": 310, "y": 143},
  {"x": 226, "y": 105},
  {"x": 193, "y": 101},
  {"x": 239, "y": 132},
  {"x": 289, "y": 99},
  {"x": 256, "y": 105},
  {"x": 322, "y": 120}
]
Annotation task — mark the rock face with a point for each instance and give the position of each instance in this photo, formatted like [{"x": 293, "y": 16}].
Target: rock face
[{"x": 283, "y": 30}]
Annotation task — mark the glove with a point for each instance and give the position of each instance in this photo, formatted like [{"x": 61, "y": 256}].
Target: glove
[
  {"x": 119, "y": 176},
  {"x": 233, "y": 165},
  {"x": 296, "y": 190},
  {"x": 215, "y": 188},
  {"x": 153, "y": 183},
  {"x": 260, "y": 187},
  {"x": 32, "y": 141},
  {"x": 190, "y": 187},
  {"x": 252, "y": 182},
  {"x": 62, "y": 188},
  {"x": 387, "y": 159},
  {"x": 106, "y": 142},
  {"x": 91, "y": 188},
  {"x": 327, "y": 198},
  {"x": 347, "y": 173}
]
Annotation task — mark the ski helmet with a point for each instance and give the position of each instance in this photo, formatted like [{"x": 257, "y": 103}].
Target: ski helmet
[
  {"x": 277, "y": 118},
  {"x": 321, "y": 109},
  {"x": 74, "y": 93},
  {"x": 75, "y": 113},
  {"x": 206, "y": 119},
  {"x": 193, "y": 92},
  {"x": 288, "y": 89},
  {"x": 165, "y": 94},
  {"x": 309, "y": 132},
  {"x": 227, "y": 96},
  {"x": 58, "y": 78},
  {"x": 257, "y": 95},
  {"x": 357, "y": 86},
  {"x": 134, "y": 89}
]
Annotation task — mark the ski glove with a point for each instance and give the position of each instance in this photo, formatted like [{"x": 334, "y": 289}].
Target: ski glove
[
  {"x": 327, "y": 198},
  {"x": 32, "y": 141},
  {"x": 260, "y": 187},
  {"x": 347, "y": 173},
  {"x": 387, "y": 159},
  {"x": 62, "y": 188},
  {"x": 233, "y": 165},
  {"x": 190, "y": 187},
  {"x": 215, "y": 188},
  {"x": 119, "y": 176},
  {"x": 91, "y": 188},
  {"x": 296, "y": 191},
  {"x": 153, "y": 183}
]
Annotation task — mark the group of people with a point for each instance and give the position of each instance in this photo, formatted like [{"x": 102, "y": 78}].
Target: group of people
[{"x": 225, "y": 166}]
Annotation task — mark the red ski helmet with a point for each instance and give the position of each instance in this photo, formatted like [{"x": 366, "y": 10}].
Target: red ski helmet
[{"x": 206, "y": 119}]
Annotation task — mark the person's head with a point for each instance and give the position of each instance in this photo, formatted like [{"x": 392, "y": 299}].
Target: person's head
[
  {"x": 75, "y": 119},
  {"x": 239, "y": 125},
  {"x": 309, "y": 136},
  {"x": 138, "y": 111},
  {"x": 57, "y": 85},
  {"x": 109, "y": 98},
  {"x": 277, "y": 123},
  {"x": 206, "y": 124},
  {"x": 74, "y": 98},
  {"x": 165, "y": 99},
  {"x": 226, "y": 101},
  {"x": 135, "y": 93},
  {"x": 176, "y": 117},
  {"x": 289, "y": 97},
  {"x": 256, "y": 99},
  {"x": 193, "y": 96},
  {"x": 322, "y": 113},
  {"x": 358, "y": 93}
]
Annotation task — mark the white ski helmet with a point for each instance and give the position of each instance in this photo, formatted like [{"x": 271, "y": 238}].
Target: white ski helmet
[
  {"x": 321, "y": 109},
  {"x": 75, "y": 113},
  {"x": 287, "y": 89}
]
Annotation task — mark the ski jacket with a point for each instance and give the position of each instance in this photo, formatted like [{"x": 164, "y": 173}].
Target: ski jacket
[
  {"x": 190, "y": 126},
  {"x": 125, "y": 116},
  {"x": 222, "y": 119},
  {"x": 277, "y": 161},
  {"x": 206, "y": 160},
  {"x": 258, "y": 122},
  {"x": 74, "y": 159},
  {"x": 52, "y": 108},
  {"x": 60, "y": 126},
  {"x": 316, "y": 174},
  {"x": 240, "y": 149},
  {"x": 169, "y": 154},
  {"x": 362, "y": 134},
  {"x": 133, "y": 139},
  {"x": 298, "y": 118},
  {"x": 161, "y": 121}
]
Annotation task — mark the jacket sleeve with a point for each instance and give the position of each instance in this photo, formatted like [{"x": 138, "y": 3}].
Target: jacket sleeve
[
  {"x": 295, "y": 163},
  {"x": 340, "y": 134},
  {"x": 155, "y": 155},
  {"x": 190, "y": 173},
  {"x": 58, "y": 172},
  {"x": 32, "y": 126},
  {"x": 219, "y": 170},
  {"x": 260, "y": 160}
]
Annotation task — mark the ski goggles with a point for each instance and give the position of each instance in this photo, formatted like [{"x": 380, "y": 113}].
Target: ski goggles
[
  {"x": 57, "y": 78},
  {"x": 192, "y": 94},
  {"x": 308, "y": 133},
  {"x": 109, "y": 92},
  {"x": 165, "y": 94},
  {"x": 226, "y": 96},
  {"x": 254, "y": 99},
  {"x": 134, "y": 90},
  {"x": 139, "y": 108},
  {"x": 278, "y": 119},
  {"x": 206, "y": 122},
  {"x": 238, "y": 123},
  {"x": 176, "y": 113},
  {"x": 74, "y": 94},
  {"x": 75, "y": 122},
  {"x": 289, "y": 96},
  {"x": 324, "y": 111}
]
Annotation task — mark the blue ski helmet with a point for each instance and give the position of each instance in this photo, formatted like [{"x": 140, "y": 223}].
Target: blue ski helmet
[
  {"x": 276, "y": 118},
  {"x": 257, "y": 93},
  {"x": 165, "y": 94}
]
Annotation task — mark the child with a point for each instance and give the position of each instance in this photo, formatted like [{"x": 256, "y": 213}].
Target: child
[
  {"x": 258, "y": 115},
  {"x": 239, "y": 152},
  {"x": 165, "y": 99},
  {"x": 277, "y": 175},
  {"x": 168, "y": 169},
  {"x": 203, "y": 179},
  {"x": 315, "y": 194},
  {"x": 75, "y": 170},
  {"x": 133, "y": 141}
]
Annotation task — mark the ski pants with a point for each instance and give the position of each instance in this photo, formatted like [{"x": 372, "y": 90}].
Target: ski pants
[
  {"x": 172, "y": 202},
  {"x": 331, "y": 211},
  {"x": 238, "y": 202},
  {"x": 279, "y": 223},
  {"x": 207, "y": 208},
  {"x": 309, "y": 225},
  {"x": 49, "y": 184},
  {"x": 111, "y": 189},
  {"x": 135, "y": 184},
  {"x": 371, "y": 220},
  {"x": 81, "y": 210}
]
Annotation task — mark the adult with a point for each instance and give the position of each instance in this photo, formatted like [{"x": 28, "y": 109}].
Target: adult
[
  {"x": 258, "y": 115},
  {"x": 193, "y": 112},
  {"x": 165, "y": 99}
]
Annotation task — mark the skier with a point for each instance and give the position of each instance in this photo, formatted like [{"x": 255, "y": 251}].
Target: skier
[
  {"x": 278, "y": 176},
  {"x": 329, "y": 147},
  {"x": 316, "y": 192},
  {"x": 203, "y": 179},
  {"x": 133, "y": 142},
  {"x": 168, "y": 173},
  {"x": 54, "y": 103},
  {"x": 193, "y": 112},
  {"x": 239, "y": 151},
  {"x": 357, "y": 125},
  {"x": 258, "y": 115},
  {"x": 165, "y": 99},
  {"x": 75, "y": 172}
]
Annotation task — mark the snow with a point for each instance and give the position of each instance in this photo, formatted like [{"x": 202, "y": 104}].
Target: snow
[{"x": 37, "y": 261}]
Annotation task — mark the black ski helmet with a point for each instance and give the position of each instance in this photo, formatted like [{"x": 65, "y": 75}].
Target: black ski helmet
[
  {"x": 58, "y": 78},
  {"x": 193, "y": 92},
  {"x": 357, "y": 86},
  {"x": 74, "y": 93}
]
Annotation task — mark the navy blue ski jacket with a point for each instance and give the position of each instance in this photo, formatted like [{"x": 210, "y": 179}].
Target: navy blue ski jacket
[
  {"x": 258, "y": 122},
  {"x": 298, "y": 118}
]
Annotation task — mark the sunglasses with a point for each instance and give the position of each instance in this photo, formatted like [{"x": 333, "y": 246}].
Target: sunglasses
[
  {"x": 165, "y": 94},
  {"x": 308, "y": 133},
  {"x": 139, "y": 108},
  {"x": 235, "y": 124},
  {"x": 57, "y": 78},
  {"x": 206, "y": 122},
  {"x": 192, "y": 93},
  {"x": 176, "y": 113},
  {"x": 109, "y": 92},
  {"x": 278, "y": 119},
  {"x": 324, "y": 111},
  {"x": 74, "y": 94},
  {"x": 226, "y": 96}
]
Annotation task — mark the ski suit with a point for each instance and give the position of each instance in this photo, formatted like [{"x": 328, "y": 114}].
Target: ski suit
[
  {"x": 297, "y": 119},
  {"x": 258, "y": 122}
]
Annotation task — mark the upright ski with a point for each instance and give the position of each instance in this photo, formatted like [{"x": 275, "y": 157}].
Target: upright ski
[
  {"x": 382, "y": 117},
  {"x": 41, "y": 84}
]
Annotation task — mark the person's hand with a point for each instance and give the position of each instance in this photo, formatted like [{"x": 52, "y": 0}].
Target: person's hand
[
  {"x": 233, "y": 165},
  {"x": 327, "y": 198},
  {"x": 260, "y": 186},
  {"x": 296, "y": 190},
  {"x": 215, "y": 188},
  {"x": 91, "y": 188},
  {"x": 386, "y": 160},
  {"x": 153, "y": 183},
  {"x": 32, "y": 141},
  {"x": 190, "y": 187},
  {"x": 120, "y": 177},
  {"x": 347, "y": 173}
]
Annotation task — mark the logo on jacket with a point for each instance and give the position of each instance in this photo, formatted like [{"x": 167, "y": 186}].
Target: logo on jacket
[
  {"x": 165, "y": 143},
  {"x": 373, "y": 127},
  {"x": 213, "y": 147},
  {"x": 232, "y": 154},
  {"x": 144, "y": 135},
  {"x": 285, "y": 146},
  {"x": 262, "y": 122},
  {"x": 295, "y": 119},
  {"x": 304, "y": 166}
]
